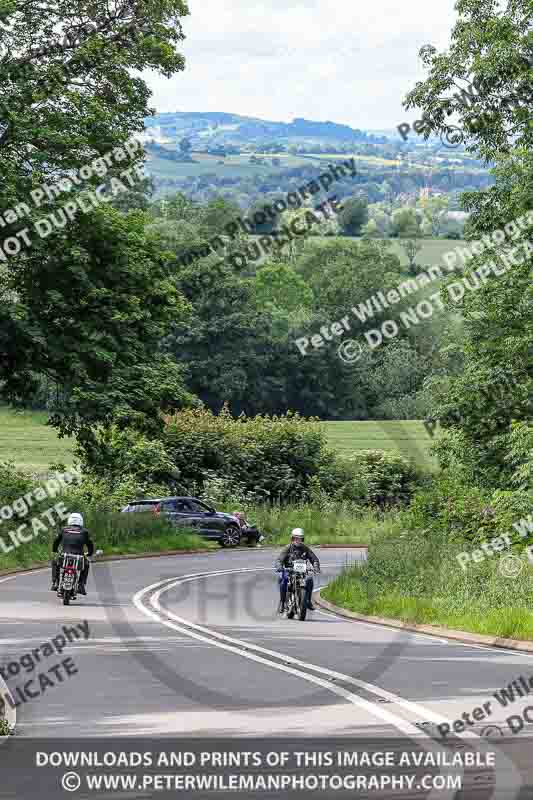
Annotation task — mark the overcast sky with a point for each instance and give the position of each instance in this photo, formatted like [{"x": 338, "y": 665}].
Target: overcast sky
[{"x": 349, "y": 62}]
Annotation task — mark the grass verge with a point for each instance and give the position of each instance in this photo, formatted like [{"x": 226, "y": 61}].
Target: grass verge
[
  {"x": 481, "y": 600},
  {"x": 115, "y": 534},
  {"x": 338, "y": 525}
]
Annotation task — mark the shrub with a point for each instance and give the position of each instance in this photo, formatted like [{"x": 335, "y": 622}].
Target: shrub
[
  {"x": 390, "y": 478},
  {"x": 13, "y": 483},
  {"x": 272, "y": 456},
  {"x": 468, "y": 514},
  {"x": 370, "y": 477},
  {"x": 251, "y": 459},
  {"x": 520, "y": 456},
  {"x": 108, "y": 494}
]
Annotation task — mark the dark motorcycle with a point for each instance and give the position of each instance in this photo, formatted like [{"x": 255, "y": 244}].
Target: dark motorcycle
[
  {"x": 69, "y": 576},
  {"x": 298, "y": 597}
]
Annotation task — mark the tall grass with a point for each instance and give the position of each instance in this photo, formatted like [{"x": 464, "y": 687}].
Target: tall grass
[
  {"x": 114, "y": 534},
  {"x": 415, "y": 577},
  {"x": 338, "y": 524}
]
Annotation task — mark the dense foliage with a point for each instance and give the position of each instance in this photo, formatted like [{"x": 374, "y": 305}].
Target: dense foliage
[
  {"x": 275, "y": 459},
  {"x": 82, "y": 303}
]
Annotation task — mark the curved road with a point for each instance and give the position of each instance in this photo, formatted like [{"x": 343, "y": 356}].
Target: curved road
[{"x": 191, "y": 645}]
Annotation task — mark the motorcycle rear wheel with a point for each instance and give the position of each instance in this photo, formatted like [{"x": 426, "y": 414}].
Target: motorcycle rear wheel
[{"x": 66, "y": 597}]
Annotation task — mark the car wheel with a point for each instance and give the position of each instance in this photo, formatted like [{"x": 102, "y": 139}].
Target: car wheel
[{"x": 231, "y": 536}]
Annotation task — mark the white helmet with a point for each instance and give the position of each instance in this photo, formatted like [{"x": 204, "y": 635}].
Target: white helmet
[
  {"x": 297, "y": 533},
  {"x": 75, "y": 519}
]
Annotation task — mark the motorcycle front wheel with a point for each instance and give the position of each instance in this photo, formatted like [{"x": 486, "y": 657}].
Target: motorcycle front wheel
[
  {"x": 302, "y": 603},
  {"x": 291, "y": 610}
]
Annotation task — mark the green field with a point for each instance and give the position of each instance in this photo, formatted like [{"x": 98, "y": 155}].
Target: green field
[
  {"x": 408, "y": 437},
  {"x": 430, "y": 254},
  {"x": 29, "y": 442},
  {"x": 26, "y": 440},
  {"x": 164, "y": 168}
]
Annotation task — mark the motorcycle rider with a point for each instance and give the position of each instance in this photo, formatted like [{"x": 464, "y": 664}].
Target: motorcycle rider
[
  {"x": 295, "y": 550},
  {"x": 73, "y": 539}
]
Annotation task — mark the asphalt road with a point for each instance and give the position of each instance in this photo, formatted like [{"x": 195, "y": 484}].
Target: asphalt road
[{"x": 192, "y": 646}]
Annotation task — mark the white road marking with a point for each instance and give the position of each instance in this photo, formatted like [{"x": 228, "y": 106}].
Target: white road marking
[
  {"x": 506, "y": 767},
  {"x": 165, "y": 586},
  {"x": 228, "y": 643},
  {"x": 23, "y": 574},
  {"x": 398, "y": 722}
]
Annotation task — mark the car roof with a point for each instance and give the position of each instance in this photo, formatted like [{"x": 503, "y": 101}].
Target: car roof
[{"x": 163, "y": 500}]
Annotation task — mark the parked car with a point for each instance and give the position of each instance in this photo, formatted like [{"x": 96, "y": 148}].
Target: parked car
[{"x": 189, "y": 512}]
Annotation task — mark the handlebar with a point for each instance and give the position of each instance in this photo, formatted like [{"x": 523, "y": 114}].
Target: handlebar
[{"x": 310, "y": 568}]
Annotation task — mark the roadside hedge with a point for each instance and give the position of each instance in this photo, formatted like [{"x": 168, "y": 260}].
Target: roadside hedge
[{"x": 282, "y": 459}]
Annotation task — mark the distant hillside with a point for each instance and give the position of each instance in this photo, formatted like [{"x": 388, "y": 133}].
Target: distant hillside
[
  {"x": 221, "y": 128},
  {"x": 205, "y": 154}
]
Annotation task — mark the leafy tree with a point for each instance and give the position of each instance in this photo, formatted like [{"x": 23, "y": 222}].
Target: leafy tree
[
  {"x": 353, "y": 216},
  {"x": 434, "y": 213},
  {"x": 405, "y": 222},
  {"x": 138, "y": 198},
  {"x": 491, "y": 48},
  {"x": 217, "y": 214},
  {"x": 371, "y": 230},
  {"x": 411, "y": 248},
  {"x": 88, "y": 310},
  {"x": 378, "y": 214},
  {"x": 484, "y": 77},
  {"x": 278, "y": 285},
  {"x": 73, "y": 97},
  {"x": 225, "y": 345},
  {"x": 86, "y": 306},
  {"x": 343, "y": 273}
]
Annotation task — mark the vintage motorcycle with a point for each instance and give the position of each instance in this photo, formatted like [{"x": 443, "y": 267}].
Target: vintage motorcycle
[
  {"x": 69, "y": 576},
  {"x": 298, "y": 596}
]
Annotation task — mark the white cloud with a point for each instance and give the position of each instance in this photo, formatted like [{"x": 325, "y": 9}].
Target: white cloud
[{"x": 278, "y": 59}]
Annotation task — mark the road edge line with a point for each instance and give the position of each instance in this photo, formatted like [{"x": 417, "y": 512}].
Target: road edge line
[
  {"x": 128, "y": 556},
  {"x": 430, "y": 630}
]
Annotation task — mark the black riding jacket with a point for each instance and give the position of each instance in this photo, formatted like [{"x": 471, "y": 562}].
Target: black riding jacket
[
  {"x": 73, "y": 539},
  {"x": 295, "y": 551}
]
